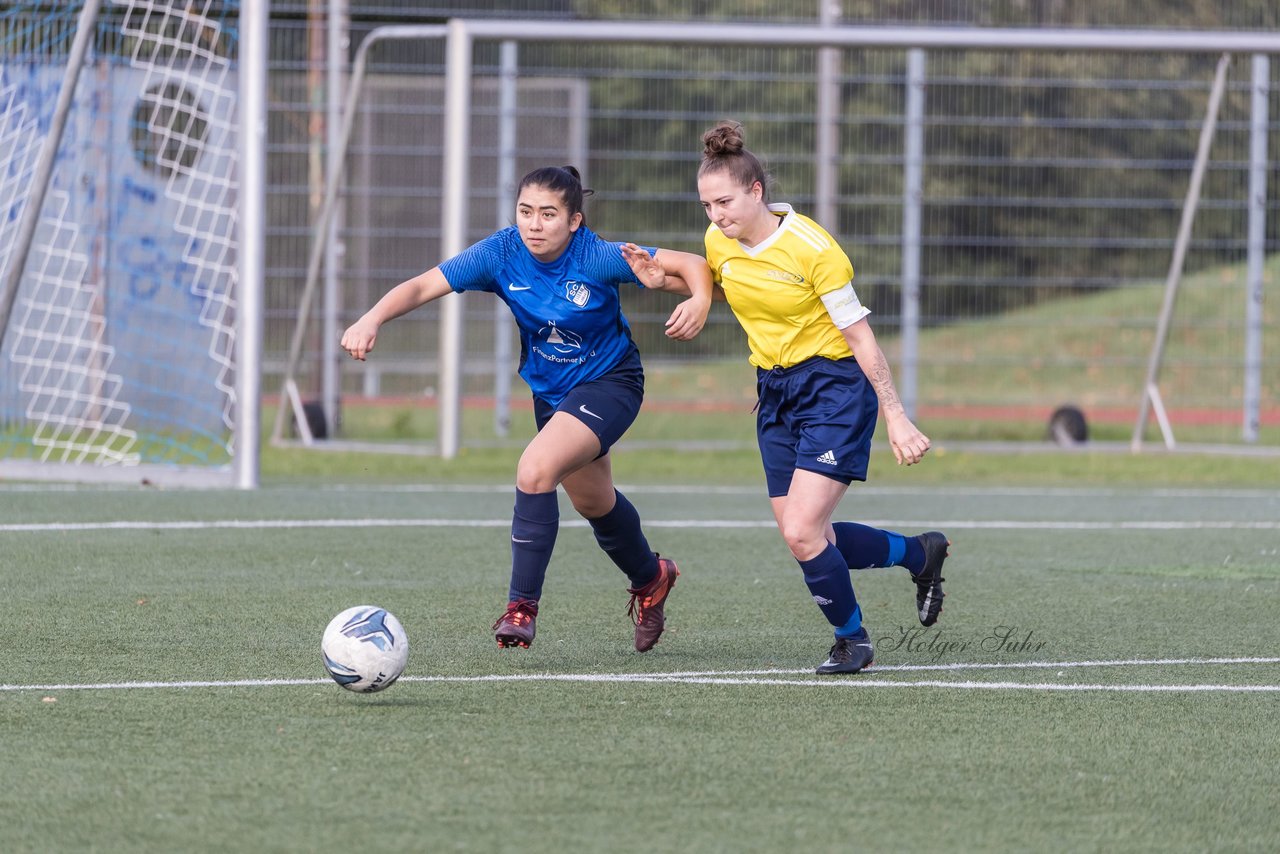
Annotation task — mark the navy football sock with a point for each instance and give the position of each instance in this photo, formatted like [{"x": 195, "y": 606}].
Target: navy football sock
[
  {"x": 827, "y": 577},
  {"x": 861, "y": 545},
  {"x": 618, "y": 532},
  {"x": 912, "y": 555},
  {"x": 864, "y": 547},
  {"x": 534, "y": 526}
]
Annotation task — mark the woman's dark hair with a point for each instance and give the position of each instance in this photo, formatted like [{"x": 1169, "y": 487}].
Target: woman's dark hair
[
  {"x": 562, "y": 180},
  {"x": 723, "y": 150}
]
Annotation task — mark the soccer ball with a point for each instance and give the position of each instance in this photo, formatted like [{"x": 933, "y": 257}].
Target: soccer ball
[{"x": 364, "y": 648}]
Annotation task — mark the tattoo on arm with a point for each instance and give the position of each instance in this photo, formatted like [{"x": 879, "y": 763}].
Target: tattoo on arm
[{"x": 882, "y": 381}]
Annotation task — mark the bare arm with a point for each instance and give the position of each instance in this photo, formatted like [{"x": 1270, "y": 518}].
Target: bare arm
[
  {"x": 654, "y": 274},
  {"x": 360, "y": 337},
  {"x": 908, "y": 443},
  {"x": 676, "y": 285},
  {"x": 688, "y": 318},
  {"x": 662, "y": 271}
]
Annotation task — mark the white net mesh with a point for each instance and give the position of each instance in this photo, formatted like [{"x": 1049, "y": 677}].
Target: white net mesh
[
  {"x": 58, "y": 343},
  {"x": 120, "y": 347}
]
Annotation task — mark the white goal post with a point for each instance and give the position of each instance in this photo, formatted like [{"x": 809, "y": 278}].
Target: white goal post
[{"x": 132, "y": 253}]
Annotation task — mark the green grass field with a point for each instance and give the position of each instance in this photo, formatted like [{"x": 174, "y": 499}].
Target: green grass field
[{"x": 1105, "y": 675}]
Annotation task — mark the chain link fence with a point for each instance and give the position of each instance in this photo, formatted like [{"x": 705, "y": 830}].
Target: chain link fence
[{"x": 1051, "y": 191}]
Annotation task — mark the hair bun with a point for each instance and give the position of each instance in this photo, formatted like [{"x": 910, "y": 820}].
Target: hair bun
[{"x": 724, "y": 138}]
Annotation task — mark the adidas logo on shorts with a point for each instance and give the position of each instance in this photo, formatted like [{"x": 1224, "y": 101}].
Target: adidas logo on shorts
[{"x": 828, "y": 458}]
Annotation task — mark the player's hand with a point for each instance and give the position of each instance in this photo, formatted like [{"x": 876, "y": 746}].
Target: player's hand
[
  {"x": 908, "y": 443},
  {"x": 645, "y": 266},
  {"x": 359, "y": 338},
  {"x": 687, "y": 320}
]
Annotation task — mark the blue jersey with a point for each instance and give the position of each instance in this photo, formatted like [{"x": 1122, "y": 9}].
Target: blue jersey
[{"x": 572, "y": 329}]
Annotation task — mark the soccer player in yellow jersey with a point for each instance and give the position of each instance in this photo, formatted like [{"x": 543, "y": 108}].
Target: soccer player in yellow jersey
[{"x": 821, "y": 381}]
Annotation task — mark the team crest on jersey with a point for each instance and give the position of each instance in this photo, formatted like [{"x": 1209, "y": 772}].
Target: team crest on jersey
[{"x": 578, "y": 293}]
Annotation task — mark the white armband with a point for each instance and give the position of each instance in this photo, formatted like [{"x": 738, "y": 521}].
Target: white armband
[{"x": 844, "y": 308}]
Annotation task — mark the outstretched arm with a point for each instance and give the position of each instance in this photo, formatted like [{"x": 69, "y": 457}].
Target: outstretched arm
[
  {"x": 679, "y": 272},
  {"x": 908, "y": 443},
  {"x": 360, "y": 337}
]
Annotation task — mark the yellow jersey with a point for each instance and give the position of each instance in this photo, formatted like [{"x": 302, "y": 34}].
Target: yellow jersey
[{"x": 775, "y": 289}]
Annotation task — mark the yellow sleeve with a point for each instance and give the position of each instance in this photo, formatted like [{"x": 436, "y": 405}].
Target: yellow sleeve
[{"x": 831, "y": 270}]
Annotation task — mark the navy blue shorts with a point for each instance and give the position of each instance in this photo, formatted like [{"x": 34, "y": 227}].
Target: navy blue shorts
[
  {"x": 608, "y": 404},
  {"x": 817, "y": 416}
]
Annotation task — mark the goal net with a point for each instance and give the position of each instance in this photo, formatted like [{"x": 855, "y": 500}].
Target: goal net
[{"x": 118, "y": 352}]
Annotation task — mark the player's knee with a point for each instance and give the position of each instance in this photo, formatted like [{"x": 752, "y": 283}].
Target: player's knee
[
  {"x": 534, "y": 475},
  {"x": 805, "y": 541}
]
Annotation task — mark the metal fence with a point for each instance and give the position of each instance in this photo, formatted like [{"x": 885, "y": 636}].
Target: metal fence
[{"x": 1051, "y": 187}]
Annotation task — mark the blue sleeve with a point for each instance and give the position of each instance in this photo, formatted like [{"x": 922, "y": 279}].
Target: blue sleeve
[
  {"x": 609, "y": 265},
  {"x": 476, "y": 267}
]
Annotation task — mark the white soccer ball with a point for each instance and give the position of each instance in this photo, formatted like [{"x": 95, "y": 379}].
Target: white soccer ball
[{"x": 364, "y": 648}]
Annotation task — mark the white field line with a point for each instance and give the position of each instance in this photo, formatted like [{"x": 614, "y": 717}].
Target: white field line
[
  {"x": 762, "y": 677},
  {"x": 756, "y": 491},
  {"x": 990, "y": 686},
  {"x": 968, "y": 524},
  {"x": 856, "y": 491}
]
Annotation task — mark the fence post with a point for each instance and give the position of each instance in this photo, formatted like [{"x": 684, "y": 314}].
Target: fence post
[
  {"x": 912, "y": 204},
  {"x": 502, "y": 323},
  {"x": 826, "y": 155},
  {"x": 1257, "y": 245}
]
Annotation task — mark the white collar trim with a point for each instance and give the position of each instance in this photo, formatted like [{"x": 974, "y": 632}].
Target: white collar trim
[{"x": 779, "y": 208}]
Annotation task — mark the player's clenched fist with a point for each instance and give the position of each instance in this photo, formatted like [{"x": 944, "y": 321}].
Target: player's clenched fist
[{"x": 359, "y": 338}]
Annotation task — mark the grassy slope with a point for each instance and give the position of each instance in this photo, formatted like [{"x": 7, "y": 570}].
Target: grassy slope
[{"x": 1094, "y": 349}]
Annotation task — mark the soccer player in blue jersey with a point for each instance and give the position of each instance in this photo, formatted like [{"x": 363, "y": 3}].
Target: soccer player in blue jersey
[
  {"x": 561, "y": 282},
  {"x": 821, "y": 377}
]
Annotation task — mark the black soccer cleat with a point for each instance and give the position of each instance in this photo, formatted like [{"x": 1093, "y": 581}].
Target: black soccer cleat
[
  {"x": 929, "y": 582},
  {"x": 849, "y": 655}
]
